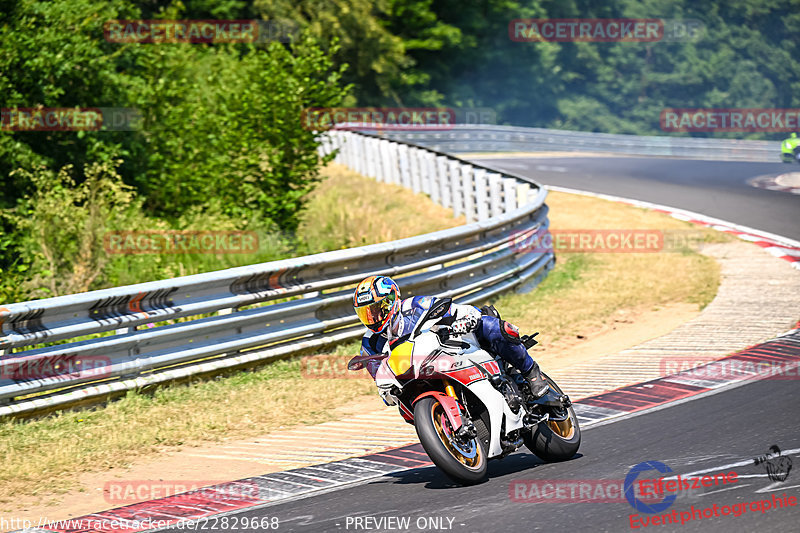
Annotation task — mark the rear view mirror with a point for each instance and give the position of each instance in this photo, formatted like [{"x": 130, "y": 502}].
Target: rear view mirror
[{"x": 356, "y": 363}]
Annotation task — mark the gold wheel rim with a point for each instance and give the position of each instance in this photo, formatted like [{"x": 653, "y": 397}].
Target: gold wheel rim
[
  {"x": 562, "y": 428},
  {"x": 439, "y": 421}
]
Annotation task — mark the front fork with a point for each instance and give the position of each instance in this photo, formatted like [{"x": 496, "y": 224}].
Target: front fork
[
  {"x": 451, "y": 405},
  {"x": 467, "y": 431}
]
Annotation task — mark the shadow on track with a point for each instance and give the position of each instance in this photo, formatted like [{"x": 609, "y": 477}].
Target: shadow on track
[{"x": 433, "y": 478}]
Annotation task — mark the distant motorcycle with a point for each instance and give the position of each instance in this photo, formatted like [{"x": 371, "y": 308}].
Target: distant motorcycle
[
  {"x": 469, "y": 406},
  {"x": 790, "y": 149}
]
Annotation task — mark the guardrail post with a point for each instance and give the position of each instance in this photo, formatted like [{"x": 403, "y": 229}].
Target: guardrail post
[
  {"x": 3, "y": 401},
  {"x": 428, "y": 173},
  {"x": 349, "y": 149},
  {"x": 336, "y": 144},
  {"x": 443, "y": 182},
  {"x": 355, "y": 151},
  {"x": 405, "y": 170},
  {"x": 376, "y": 158},
  {"x": 522, "y": 194},
  {"x": 509, "y": 194},
  {"x": 435, "y": 178},
  {"x": 340, "y": 144},
  {"x": 379, "y": 159},
  {"x": 361, "y": 156},
  {"x": 369, "y": 157},
  {"x": 388, "y": 162},
  {"x": 321, "y": 146},
  {"x": 456, "y": 186},
  {"x": 330, "y": 144},
  {"x": 481, "y": 198},
  {"x": 495, "y": 194},
  {"x": 468, "y": 192},
  {"x": 132, "y": 354},
  {"x": 416, "y": 169},
  {"x": 378, "y": 149},
  {"x": 394, "y": 159}
]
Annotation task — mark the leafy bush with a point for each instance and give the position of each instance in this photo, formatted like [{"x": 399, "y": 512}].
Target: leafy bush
[
  {"x": 59, "y": 228},
  {"x": 221, "y": 145}
]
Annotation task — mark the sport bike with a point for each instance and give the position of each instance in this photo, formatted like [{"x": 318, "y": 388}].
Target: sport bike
[{"x": 467, "y": 405}]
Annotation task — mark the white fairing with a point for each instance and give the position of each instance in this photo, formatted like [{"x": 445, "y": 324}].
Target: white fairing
[
  {"x": 494, "y": 401},
  {"x": 452, "y": 358}
]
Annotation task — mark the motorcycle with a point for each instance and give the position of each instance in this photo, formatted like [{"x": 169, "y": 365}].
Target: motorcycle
[{"x": 467, "y": 405}]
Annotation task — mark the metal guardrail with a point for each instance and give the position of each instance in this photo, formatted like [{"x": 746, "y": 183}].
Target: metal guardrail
[
  {"x": 308, "y": 298},
  {"x": 489, "y": 138}
]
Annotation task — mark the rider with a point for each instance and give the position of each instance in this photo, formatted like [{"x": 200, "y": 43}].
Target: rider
[{"x": 377, "y": 304}]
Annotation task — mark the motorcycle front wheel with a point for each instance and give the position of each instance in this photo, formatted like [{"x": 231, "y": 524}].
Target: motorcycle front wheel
[
  {"x": 554, "y": 441},
  {"x": 464, "y": 463}
]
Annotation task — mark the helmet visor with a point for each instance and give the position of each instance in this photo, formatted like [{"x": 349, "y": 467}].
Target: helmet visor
[{"x": 374, "y": 315}]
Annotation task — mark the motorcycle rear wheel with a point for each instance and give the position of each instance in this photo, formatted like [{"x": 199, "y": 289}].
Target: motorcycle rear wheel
[
  {"x": 463, "y": 463},
  {"x": 554, "y": 441}
]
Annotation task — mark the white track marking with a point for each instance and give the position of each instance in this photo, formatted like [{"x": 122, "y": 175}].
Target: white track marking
[
  {"x": 725, "y": 489},
  {"x": 794, "y": 451},
  {"x": 549, "y": 168},
  {"x": 776, "y": 486}
]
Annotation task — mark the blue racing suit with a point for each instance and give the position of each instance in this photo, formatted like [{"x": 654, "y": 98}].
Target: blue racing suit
[{"x": 495, "y": 335}]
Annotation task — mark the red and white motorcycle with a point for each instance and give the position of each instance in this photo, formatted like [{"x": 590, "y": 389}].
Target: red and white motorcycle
[{"x": 467, "y": 405}]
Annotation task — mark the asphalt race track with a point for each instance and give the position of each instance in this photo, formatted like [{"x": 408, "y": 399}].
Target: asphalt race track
[
  {"x": 715, "y": 188},
  {"x": 709, "y": 434}
]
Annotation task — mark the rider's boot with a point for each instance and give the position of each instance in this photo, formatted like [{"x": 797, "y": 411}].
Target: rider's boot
[{"x": 536, "y": 381}]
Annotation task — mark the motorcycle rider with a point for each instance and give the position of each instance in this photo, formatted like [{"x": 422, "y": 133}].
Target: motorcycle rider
[{"x": 378, "y": 305}]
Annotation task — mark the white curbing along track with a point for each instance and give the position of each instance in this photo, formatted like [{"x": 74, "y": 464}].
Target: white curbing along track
[{"x": 789, "y": 182}]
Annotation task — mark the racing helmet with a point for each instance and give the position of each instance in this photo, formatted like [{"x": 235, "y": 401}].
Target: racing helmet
[{"x": 376, "y": 301}]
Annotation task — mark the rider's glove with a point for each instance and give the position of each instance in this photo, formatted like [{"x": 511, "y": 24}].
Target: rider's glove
[{"x": 464, "y": 325}]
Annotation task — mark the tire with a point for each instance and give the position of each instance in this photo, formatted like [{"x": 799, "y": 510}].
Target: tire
[
  {"x": 555, "y": 441},
  {"x": 797, "y": 154},
  {"x": 432, "y": 429}
]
